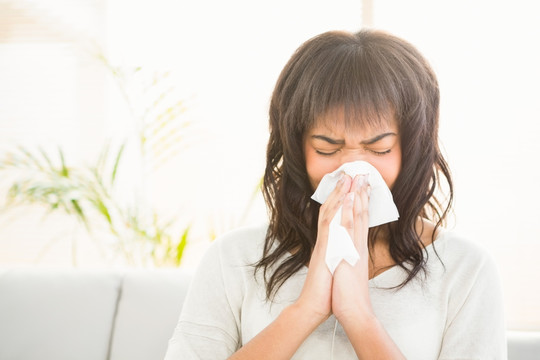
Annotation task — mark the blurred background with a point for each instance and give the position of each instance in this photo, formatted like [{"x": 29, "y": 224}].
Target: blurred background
[{"x": 132, "y": 133}]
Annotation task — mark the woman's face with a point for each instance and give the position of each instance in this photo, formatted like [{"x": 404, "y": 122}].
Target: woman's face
[{"x": 330, "y": 144}]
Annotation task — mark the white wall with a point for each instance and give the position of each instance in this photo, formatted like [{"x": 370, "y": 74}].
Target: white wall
[
  {"x": 487, "y": 55},
  {"x": 225, "y": 57}
]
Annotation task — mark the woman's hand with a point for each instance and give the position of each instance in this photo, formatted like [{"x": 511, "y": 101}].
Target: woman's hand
[
  {"x": 350, "y": 288},
  {"x": 316, "y": 295},
  {"x": 283, "y": 336},
  {"x": 350, "y": 291},
  {"x": 346, "y": 293}
]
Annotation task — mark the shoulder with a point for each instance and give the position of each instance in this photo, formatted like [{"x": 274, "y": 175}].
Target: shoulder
[
  {"x": 242, "y": 246},
  {"x": 450, "y": 244},
  {"x": 455, "y": 248},
  {"x": 227, "y": 264},
  {"x": 244, "y": 235},
  {"x": 471, "y": 294},
  {"x": 464, "y": 261}
]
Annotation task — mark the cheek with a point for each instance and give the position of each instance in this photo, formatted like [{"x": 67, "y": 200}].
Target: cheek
[
  {"x": 389, "y": 168},
  {"x": 318, "y": 166}
]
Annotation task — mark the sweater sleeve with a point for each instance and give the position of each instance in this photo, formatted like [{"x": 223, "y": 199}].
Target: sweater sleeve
[
  {"x": 476, "y": 326},
  {"x": 207, "y": 327}
]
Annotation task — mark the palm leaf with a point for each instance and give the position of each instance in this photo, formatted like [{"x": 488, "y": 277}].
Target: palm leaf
[
  {"x": 80, "y": 213},
  {"x": 46, "y": 157},
  {"x": 32, "y": 159},
  {"x": 102, "y": 159},
  {"x": 182, "y": 245},
  {"x": 117, "y": 162},
  {"x": 64, "y": 171}
]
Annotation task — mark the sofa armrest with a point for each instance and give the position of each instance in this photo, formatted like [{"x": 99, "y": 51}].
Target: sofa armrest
[{"x": 523, "y": 345}]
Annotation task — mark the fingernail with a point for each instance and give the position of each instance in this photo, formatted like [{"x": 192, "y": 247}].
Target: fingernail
[
  {"x": 341, "y": 178},
  {"x": 362, "y": 179},
  {"x": 350, "y": 197}
]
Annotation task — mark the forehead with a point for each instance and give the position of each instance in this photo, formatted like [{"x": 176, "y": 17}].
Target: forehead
[{"x": 336, "y": 122}]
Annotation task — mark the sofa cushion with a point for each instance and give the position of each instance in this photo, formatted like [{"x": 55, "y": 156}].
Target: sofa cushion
[
  {"x": 523, "y": 345},
  {"x": 148, "y": 311},
  {"x": 49, "y": 314}
]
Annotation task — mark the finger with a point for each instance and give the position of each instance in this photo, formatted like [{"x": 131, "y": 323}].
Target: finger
[
  {"x": 328, "y": 210},
  {"x": 361, "y": 212},
  {"x": 347, "y": 213},
  {"x": 334, "y": 201}
]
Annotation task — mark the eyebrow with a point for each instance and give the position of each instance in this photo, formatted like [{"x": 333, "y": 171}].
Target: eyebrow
[{"x": 341, "y": 141}]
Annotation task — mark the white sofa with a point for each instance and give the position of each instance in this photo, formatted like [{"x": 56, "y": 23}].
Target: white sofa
[{"x": 111, "y": 315}]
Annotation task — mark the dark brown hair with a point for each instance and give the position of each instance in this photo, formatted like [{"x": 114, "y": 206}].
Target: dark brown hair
[{"x": 369, "y": 74}]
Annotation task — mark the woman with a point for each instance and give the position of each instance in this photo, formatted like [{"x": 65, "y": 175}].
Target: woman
[{"x": 417, "y": 291}]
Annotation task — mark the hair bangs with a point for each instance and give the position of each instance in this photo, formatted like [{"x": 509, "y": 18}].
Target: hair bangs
[{"x": 354, "y": 85}]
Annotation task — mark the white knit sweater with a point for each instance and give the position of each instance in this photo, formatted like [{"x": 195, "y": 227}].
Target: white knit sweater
[{"x": 457, "y": 313}]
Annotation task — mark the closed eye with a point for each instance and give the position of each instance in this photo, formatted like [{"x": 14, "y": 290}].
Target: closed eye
[
  {"x": 326, "y": 153},
  {"x": 380, "y": 153}
]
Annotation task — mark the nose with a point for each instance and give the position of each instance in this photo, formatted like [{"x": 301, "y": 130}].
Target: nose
[{"x": 350, "y": 155}]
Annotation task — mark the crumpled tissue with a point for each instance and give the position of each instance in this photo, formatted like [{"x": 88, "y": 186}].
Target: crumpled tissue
[{"x": 382, "y": 210}]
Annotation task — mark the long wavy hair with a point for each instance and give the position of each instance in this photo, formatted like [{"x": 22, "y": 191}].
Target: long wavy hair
[{"x": 369, "y": 74}]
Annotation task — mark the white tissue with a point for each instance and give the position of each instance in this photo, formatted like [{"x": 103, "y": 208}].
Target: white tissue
[{"x": 382, "y": 210}]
